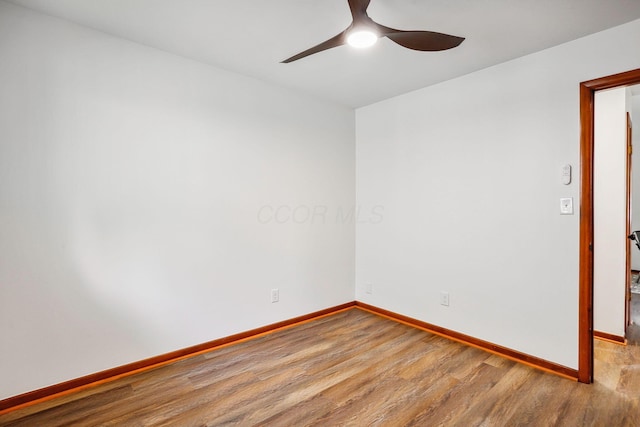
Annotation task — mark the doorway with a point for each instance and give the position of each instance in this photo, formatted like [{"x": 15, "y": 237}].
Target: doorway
[
  {"x": 612, "y": 213},
  {"x": 633, "y": 296},
  {"x": 586, "y": 290}
]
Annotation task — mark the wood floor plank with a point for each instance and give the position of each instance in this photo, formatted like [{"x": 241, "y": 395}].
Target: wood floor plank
[
  {"x": 448, "y": 405},
  {"x": 498, "y": 403},
  {"x": 72, "y": 413},
  {"x": 545, "y": 396},
  {"x": 352, "y": 368}
]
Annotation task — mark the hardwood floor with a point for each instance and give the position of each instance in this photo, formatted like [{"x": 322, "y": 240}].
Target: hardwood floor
[
  {"x": 352, "y": 368},
  {"x": 633, "y": 330}
]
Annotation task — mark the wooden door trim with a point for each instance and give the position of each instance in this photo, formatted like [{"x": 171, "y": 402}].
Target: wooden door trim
[
  {"x": 627, "y": 287},
  {"x": 585, "y": 310}
]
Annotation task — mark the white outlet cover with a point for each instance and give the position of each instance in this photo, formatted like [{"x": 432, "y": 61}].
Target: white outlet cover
[
  {"x": 368, "y": 287},
  {"x": 444, "y": 298}
]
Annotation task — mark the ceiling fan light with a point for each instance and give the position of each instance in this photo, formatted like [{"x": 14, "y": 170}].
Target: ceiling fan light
[{"x": 362, "y": 39}]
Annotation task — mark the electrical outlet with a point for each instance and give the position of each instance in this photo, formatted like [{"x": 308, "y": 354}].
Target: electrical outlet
[
  {"x": 444, "y": 298},
  {"x": 275, "y": 295},
  {"x": 368, "y": 287}
]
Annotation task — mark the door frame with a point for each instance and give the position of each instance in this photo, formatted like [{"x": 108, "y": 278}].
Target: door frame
[
  {"x": 585, "y": 299},
  {"x": 627, "y": 294}
]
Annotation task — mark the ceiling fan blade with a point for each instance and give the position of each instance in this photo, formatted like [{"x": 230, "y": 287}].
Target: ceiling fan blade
[
  {"x": 421, "y": 40},
  {"x": 358, "y": 8},
  {"x": 335, "y": 41},
  {"x": 416, "y": 40}
]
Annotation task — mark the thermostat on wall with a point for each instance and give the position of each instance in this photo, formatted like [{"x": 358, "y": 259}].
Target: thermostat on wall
[{"x": 566, "y": 174}]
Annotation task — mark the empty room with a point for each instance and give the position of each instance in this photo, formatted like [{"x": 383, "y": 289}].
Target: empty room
[{"x": 297, "y": 212}]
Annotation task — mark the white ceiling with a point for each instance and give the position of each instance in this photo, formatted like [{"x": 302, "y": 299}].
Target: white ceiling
[{"x": 251, "y": 37}]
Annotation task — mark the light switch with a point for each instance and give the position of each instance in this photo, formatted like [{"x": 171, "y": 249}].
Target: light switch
[{"x": 566, "y": 206}]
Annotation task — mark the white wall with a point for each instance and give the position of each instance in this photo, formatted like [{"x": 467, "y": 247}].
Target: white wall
[
  {"x": 609, "y": 201},
  {"x": 468, "y": 173},
  {"x": 635, "y": 178},
  {"x": 137, "y": 192}
]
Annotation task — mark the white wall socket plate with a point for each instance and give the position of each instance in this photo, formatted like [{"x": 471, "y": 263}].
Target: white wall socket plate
[{"x": 444, "y": 298}]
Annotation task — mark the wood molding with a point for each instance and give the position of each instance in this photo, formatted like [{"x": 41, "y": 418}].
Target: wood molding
[
  {"x": 514, "y": 355},
  {"x": 56, "y": 390},
  {"x": 628, "y": 249},
  {"x": 61, "y": 389},
  {"x": 609, "y": 337},
  {"x": 626, "y": 78},
  {"x": 585, "y": 308},
  {"x": 585, "y": 293}
]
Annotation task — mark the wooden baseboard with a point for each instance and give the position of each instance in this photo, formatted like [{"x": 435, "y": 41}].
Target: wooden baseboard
[
  {"x": 517, "y": 356},
  {"x": 56, "y": 390},
  {"x": 609, "y": 337}
]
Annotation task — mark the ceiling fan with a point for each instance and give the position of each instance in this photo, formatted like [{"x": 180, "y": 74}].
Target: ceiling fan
[{"x": 364, "y": 32}]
